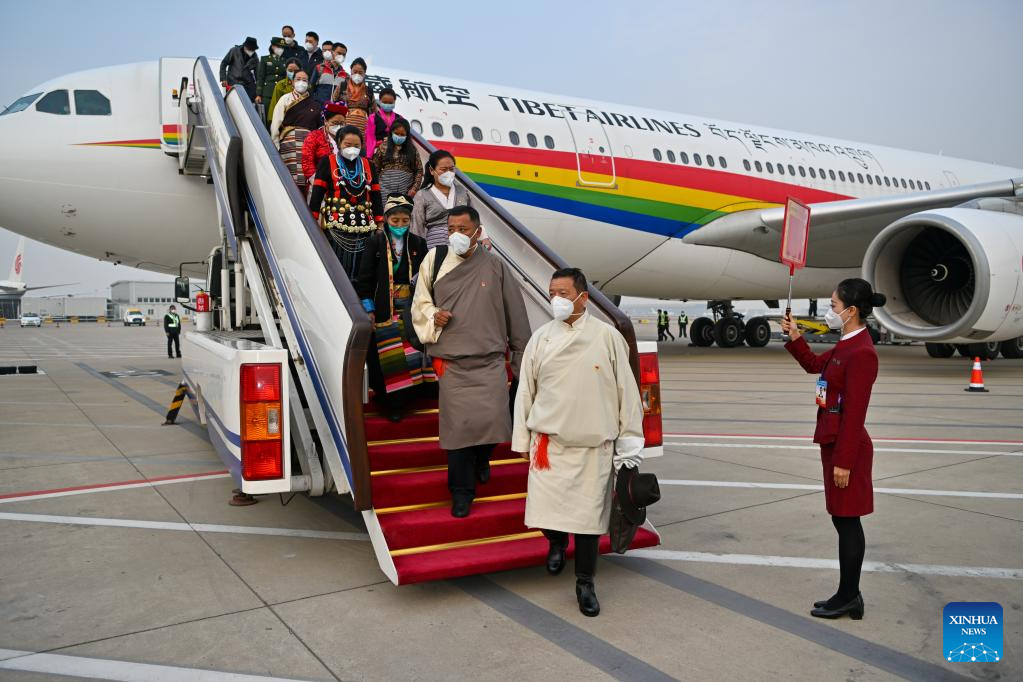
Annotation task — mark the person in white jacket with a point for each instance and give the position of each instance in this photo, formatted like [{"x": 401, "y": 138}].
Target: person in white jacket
[{"x": 578, "y": 419}]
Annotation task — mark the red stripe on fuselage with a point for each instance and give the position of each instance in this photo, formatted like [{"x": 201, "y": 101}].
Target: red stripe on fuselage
[{"x": 689, "y": 177}]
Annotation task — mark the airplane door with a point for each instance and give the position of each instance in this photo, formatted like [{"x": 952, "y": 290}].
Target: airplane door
[
  {"x": 593, "y": 154},
  {"x": 951, "y": 179}
]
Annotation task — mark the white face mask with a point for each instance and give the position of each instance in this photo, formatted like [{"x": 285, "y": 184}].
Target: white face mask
[
  {"x": 834, "y": 319},
  {"x": 357, "y": 78},
  {"x": 351, "y": 153},
  {"x": 327, "y": 54},
  {"x": 278, "y": 51},
  {"x": 310, "y": 45},
  {"x": 461, "y": 244},
  {"x": 562, "y": 308},
  {"x": 290, "y": 40},
  {"x": 301, "y": 86},
  {"x": 447, "y": 178},
  {"x": 333, "y": 129},
  {"x": 339, "y": 58},
  {"x": 249, "y": 53}
]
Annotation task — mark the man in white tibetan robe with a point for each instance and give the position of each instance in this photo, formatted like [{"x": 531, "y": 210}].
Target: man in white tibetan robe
[{"x": 578, "y": 418}]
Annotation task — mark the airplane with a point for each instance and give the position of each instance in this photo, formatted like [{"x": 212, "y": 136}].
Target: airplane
[
  {"x": 648, "y": 203},
  {"x": 14, "y": 285}
]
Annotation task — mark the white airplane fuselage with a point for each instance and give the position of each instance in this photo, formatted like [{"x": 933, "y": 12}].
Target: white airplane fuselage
[{"x": 602, "y": 184}]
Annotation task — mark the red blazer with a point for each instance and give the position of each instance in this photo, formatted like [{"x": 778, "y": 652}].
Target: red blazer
[
  {"x": 850, "y": 369},
  {"x": 314, "y": 148}
]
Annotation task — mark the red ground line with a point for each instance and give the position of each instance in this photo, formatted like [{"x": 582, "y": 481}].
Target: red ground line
[
  {"x": 808, "y": 437},
  {"x": 32, "y": 493}
]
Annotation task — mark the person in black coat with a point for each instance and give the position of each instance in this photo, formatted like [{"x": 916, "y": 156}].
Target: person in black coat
[
  {"x": 238, "y": 68},
  {"x": 384, "y": 284}
]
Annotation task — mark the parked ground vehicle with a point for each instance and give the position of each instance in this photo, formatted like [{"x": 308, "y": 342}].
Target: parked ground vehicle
[
  {"x": 31, "y": 320},
  {"x": 133, "y": 316}
]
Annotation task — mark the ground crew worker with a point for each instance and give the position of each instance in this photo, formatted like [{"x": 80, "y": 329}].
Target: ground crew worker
[
  {"x": 666, "y": 323},
  {"x": 847, "y": 374},
  {"x": 683, "y": 320},
  {"x": 660, "y": 325},
  {"x": 578, "y": 419},
  {"x": 172, "y": 327}
]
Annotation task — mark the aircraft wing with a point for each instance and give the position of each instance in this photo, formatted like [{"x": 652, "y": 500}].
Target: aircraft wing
[
  {"x": 840, "y": 231},
  {"x": 50, "y": 286}
]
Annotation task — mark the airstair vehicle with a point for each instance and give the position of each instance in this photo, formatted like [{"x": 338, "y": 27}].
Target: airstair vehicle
[{"x": 279, "y": 378}]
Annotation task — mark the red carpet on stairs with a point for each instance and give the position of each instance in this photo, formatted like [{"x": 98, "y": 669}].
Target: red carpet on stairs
[{"x": 410, "y": 497}]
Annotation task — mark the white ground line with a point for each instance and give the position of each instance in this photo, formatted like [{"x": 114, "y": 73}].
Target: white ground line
[
  {"x": 931, "y": 441},
  {"x": 802, "y": 562},
  {"x": 768, "y": 446},
  {"x": 173, "y": 525},
  {"x": 122, "y": 671},
  {"x": 124, "y": 486},
  {"x": 808, "y": 486}
]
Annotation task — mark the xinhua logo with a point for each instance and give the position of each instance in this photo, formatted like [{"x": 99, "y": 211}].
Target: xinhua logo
[{"x": 972, "y": 632}]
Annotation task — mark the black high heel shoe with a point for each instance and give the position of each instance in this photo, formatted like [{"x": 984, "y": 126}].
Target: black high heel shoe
[
  {"x": 854, "y": 608},
  {"x": 823, "y": 602}
]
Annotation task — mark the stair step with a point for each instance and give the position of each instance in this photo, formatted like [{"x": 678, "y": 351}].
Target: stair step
[
  {"x": 489, "y": 558},
  {"x": 372, "y": 408},
  {"x": 414, "y": 425},
  {"x": 418, "y": 454},
  {"x": 436, "y": 526},
  {"x": 432, "y": 486}
]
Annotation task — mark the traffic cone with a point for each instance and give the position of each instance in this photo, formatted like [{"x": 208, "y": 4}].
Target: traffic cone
[{"x": 976, "y": 378}]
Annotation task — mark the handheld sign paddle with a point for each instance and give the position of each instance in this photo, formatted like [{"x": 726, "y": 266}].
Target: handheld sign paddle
[{"x": 795, "y": 235}]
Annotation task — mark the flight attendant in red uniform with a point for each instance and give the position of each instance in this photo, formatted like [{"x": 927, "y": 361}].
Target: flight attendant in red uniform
[{"x": 847, "y": 374}]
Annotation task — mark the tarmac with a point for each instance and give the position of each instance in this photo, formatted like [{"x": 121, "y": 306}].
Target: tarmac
[{"x": 122, "y": 560}]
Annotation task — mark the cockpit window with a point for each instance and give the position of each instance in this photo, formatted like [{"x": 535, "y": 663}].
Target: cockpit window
[
  {"x": 55, "y": 102},
  {"x": 21, "y": 104},
  {"x": 91, "y": 103}
]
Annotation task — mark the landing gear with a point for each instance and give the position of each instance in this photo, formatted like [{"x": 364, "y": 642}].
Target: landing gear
[
  {"x": 1013, "y": 348},
  {"x": 984, "y": 351},
  {"x": 702, "y": 332},
  {"x": 728, "y": 332},
  {"x": 758, "y": 332},
  {"x": 940, "y": 350}
]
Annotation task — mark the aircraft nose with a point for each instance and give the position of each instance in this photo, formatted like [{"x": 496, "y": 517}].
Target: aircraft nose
[{"x": 23, "y": 154}]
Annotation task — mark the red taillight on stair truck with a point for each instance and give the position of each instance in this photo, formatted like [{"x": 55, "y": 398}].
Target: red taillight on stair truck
[
  {"x": 261, "y": 422},
  {"x": 650, "y": 393}
]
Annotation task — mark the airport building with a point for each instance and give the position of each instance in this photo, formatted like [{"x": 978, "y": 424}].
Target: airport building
[
  {"x": 67, "y": 306},
  {"x": 152, "y": 298}
]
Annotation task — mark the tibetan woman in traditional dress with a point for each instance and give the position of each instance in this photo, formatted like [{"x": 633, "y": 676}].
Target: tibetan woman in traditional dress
[
  {"x": 391, "y": 259},
  {"x": 345, "y": 199},
  {"x": 295, "y": 114}
]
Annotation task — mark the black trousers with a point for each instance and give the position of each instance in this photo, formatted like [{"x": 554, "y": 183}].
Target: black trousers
[
  {"x": 851, "y": 547},
  {"x": 682, "y": 332},
  {"x": 463, "y": 464},
  {"x": 586, "y": 549},
  {"x": 174, "y": 339}
]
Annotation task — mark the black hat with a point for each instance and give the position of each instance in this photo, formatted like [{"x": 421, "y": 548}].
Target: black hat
[
  {"x": 634, "y": 492},
  {"x": 251, "y": 43}
]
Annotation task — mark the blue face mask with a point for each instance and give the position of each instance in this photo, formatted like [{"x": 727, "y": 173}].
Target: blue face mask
[
  {"x": 291, "y": 75},
  {"x": 386, "y": 107},
  {"x": 398, "y": 231},
  {"x": 398, "y": 139}
]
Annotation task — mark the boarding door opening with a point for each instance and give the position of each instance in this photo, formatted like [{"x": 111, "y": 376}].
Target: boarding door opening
[{"x": 594, "y": 156}]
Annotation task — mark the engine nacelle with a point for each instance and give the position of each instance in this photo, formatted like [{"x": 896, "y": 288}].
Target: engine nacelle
[{"x": 951, "y": 275}]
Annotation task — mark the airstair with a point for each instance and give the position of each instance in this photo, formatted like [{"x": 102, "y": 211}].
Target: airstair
[{"x": 281, "y": 283}]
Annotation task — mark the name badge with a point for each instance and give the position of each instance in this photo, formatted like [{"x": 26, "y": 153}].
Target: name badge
[{"x": 822, "y": 393}]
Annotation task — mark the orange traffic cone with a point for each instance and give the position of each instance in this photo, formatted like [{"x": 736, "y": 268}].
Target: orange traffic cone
[{"x": 976, "y": 378}]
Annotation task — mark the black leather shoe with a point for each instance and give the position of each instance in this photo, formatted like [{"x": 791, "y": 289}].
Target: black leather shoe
[
  {"x": 587, "y": 598},
  {"x": 483, "y": 473},
  {"x": 555, "y": 559},
  {"x": 460, "y": 509},
  {"x": 823, "y": 602},
  {"x": 853, "y": 608}
]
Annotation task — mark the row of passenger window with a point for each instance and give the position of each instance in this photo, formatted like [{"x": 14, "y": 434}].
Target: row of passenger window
[
  {"x": 840, "y": 176},
  {"x": 780, "y": 169},
  {"x": 87, "y": 103},
  {"x": 684, "y": 158},
  {"x": 458, "y": 133}
]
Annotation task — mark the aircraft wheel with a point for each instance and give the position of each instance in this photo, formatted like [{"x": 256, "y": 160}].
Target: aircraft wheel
[
  {"x": 984, "y": 351},
  {"x": 758, "y": 332},
  {"x": 940, "y": 350},
  {"x": 1013, "y": 348},
  {"x": 702, "y": 331},
  {"x": 728, "y": 332},
  {"x": 875, "y": 335}
]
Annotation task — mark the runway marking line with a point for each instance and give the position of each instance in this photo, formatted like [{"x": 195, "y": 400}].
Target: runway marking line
[
  {"x": 119, "y": 485},
  {"x": 764, "y": 436},
  {"x": 820, "y": 488},
  {"x": 807, "y": 562},
  {"x": 814, "y": 447},
  {"x": 123, "y": 671}
]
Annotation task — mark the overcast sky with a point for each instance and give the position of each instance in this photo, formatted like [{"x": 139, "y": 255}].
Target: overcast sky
[{"x": 934, "y": 76}]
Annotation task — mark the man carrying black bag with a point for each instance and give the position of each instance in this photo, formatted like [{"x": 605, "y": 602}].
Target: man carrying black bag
[{"x": 578, "y": 419}]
